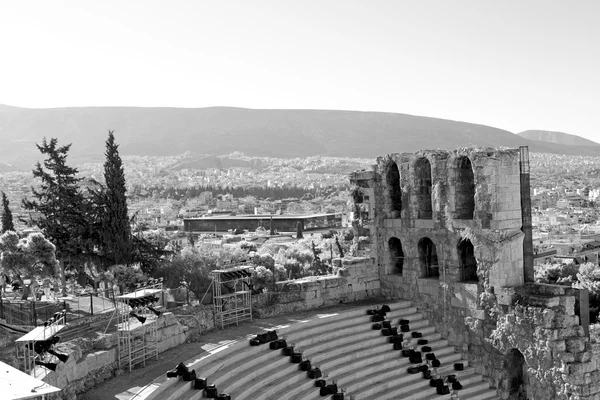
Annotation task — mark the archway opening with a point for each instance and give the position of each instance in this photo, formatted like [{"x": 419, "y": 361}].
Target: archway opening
[
  {"x": 468, "y": 263},
  {"x": 464, "y": 202},
  {"x": 514, "y": 364},
  {"x": 392, "y": 178},
  {"x": 428, "y": 258},
  {"x": 396, "y": 255},
  {"x": 423, "y": 188}
]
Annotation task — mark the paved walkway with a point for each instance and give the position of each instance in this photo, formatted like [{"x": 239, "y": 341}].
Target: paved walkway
[{"x": 127, "y": 384}]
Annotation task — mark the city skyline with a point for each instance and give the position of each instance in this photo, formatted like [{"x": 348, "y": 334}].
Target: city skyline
[{"x": 509, "y": 65}]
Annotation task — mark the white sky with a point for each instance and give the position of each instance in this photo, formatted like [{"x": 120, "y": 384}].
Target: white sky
[{"x": 512, "y": 64}]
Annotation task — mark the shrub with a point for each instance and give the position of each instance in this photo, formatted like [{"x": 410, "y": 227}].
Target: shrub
[
  {"x": 293, "y": 269},
  {"x": 262, "y": 278},
  {"x": 280, "y": 273},
  {"x": 562, "y": 274}
]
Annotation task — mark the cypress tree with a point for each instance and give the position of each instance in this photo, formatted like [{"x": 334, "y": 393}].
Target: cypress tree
[
  {"x": 6, "y": 215},
  {"x": 116, "y": 229}
]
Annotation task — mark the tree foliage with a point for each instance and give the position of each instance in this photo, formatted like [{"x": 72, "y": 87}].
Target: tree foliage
[
  {"x": 31, "y": 257},
  {"x": 6, "y": 215},
  {"x": 126, "y": 276},
  {"x": 190, "y": 268},
  {"x": 59, "y": 201},
  {"x": 114, "y": 220}
]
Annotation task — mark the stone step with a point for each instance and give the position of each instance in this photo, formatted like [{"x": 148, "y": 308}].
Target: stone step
[
  {"x": 340, "y": 328},
  {"x": 330, "y": 325},
  {"x": 230, "y": 353},
  {"x": 402, "y": 385},
  {"x": 268, "y": 377},
  {"x": 374, "y": 374},
  {"x": 351, "y": 372},
  {"x": 360, "y": 360},
  {"x": 225, "y": 368},
  {"x": 419, "y": 393},
  {"x": 404, "y": 376},
  {"x": 293, "y": 383},
  {"x": 477, "y": 391},
  {"x": 338, "y": 356},
  {"x": 248, "y": 374}
]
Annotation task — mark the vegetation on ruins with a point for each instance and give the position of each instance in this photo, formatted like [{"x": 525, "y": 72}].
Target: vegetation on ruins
[
  {"x": 583, "y": 276},
  {"x": 6, "y": 215}
]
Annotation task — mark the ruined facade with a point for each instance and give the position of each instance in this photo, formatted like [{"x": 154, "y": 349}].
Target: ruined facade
[{"x": 446, "y": 230}]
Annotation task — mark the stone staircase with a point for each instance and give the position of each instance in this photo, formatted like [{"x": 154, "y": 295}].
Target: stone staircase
[{"x": 347, "y": 350}]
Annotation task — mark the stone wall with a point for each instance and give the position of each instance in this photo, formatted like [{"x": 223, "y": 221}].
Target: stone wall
[
  {"x": 540, "y": 322},
  {"x": 497, "y": 322},
  {"x": 356, "y": 279},
  {"x": 93, "y": 361}
]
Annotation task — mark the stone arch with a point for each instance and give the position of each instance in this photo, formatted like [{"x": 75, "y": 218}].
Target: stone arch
[
  {"x": 396, "y": 255},
  {"x": 464, "y": 198},
  {"x": 468, "y": 263},
  {"x": 422, "y": 175},
  {"x": 392, "y": 179},
  {"x": 514, "y": 366},
  {"x": 428, "y": 258}
]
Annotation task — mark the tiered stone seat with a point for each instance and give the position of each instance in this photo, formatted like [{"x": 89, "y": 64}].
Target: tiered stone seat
[{"x": 347, "y": 350}]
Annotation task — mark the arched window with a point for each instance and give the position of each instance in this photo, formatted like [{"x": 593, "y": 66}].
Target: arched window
[
  {"x": 428, "y": 258},
  {"x": 392, "y": 178},
  {"x": 423, "y": 188},
  {"x": 464, "y": 201},
  {"x": 468, "y": 263},
  {"x": 396, "y": 255},
  {"x": 513, "y": 365}
]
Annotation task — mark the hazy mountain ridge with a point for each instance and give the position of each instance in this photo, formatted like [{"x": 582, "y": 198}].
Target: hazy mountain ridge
[
  {"x": 223, "y": 130},
  {"x": 557, "y": 137}
]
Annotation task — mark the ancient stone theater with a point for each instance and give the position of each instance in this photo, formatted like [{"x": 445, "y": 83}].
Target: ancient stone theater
[{"x": 451, "y": 232}]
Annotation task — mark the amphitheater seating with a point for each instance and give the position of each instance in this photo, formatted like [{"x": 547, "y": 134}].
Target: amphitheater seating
[{"x": 348, "y": 352}]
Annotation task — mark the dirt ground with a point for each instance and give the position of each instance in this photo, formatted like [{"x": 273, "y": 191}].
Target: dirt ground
[{"x": 124, "y": 386}]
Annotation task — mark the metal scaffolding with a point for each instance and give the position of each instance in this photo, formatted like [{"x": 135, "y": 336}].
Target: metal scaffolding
[
  {"x": 26, "y": 344},
  {"x": 137, "y": 326},
  {"x": 232, "y": 296}
]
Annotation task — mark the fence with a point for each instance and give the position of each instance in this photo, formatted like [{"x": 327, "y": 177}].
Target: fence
[{"x": 35, "y": 313}]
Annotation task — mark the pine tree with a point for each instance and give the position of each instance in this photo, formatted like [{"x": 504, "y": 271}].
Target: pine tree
[
  {"x": 6, "y": 215},
  {"x": 116, "y": 228},
  {"x": 60, "y": 204}
]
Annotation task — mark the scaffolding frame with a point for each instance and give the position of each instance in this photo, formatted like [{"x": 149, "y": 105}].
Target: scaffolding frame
[
  {"x": 137, "y": 342},
  {"x": 25, "y": 345},
  {"x": 232, "y": 297}
]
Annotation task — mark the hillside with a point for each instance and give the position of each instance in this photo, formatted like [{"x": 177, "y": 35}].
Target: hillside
[
  {"x": 557, "y": 137},
  {"x": 222, "y": 130}
]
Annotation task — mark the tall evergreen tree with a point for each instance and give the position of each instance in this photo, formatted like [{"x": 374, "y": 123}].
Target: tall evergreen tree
[
  {"x": 59, "y": 203},
  {"x": 6, "y": 215},
  {"x": 116, "y": 228}
]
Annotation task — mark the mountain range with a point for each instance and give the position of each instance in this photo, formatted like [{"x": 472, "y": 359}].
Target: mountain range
[{"x": 273, "y": 133}]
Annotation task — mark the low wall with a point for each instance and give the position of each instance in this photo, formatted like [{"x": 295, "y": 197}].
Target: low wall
[
  {"x": 92, "y": 362},
  {"x": 357, "y": 278}
]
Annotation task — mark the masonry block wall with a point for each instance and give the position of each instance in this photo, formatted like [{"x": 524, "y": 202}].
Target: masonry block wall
[
  {"x": 356, "y": 279},
  {"x": 445, "y": 230}
]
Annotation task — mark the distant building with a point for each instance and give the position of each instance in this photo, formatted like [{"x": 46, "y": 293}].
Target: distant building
[{"x": 281, "y": 223}]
